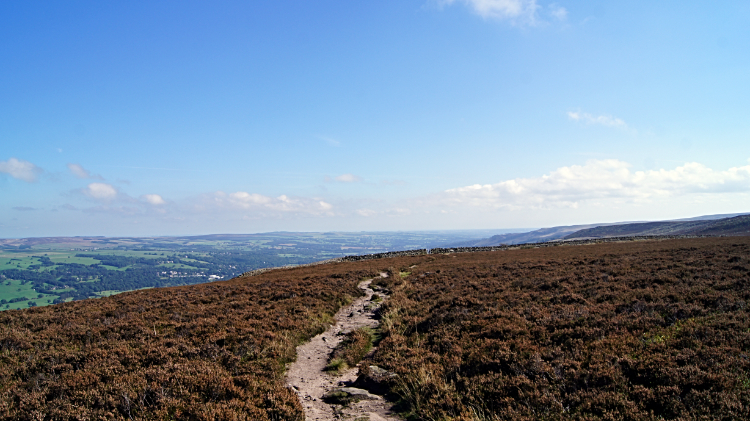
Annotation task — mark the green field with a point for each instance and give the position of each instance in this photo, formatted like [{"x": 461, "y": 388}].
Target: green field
[
  {"x": 16, "y": 262},
  {"x": 10, "y": 289},
  {"x": 67, "y": 268},
  {"x": 68, "y": 258}
]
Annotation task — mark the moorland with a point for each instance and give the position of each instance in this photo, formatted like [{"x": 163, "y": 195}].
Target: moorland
[
  {"x": 654, "y": 329},
  {"x": 722, "y": 224}
]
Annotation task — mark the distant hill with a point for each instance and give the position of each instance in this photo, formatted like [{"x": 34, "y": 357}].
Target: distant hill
[
  {"x": 738, "y": 225},
  {"x": 693, "y": 225},
  {"x": 712, "y": 217},
  {"x": 536, "y": 236}
]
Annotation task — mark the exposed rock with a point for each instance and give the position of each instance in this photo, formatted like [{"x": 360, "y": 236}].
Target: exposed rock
[
  {"x": 374, "y": 379},
  {"x": 345, "y": 395}
]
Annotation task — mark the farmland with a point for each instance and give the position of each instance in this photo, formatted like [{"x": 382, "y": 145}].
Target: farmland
[{"x": 42, "y": 271}]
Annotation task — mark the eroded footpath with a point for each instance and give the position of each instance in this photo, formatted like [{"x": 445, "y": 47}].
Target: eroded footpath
[{"x": 308, "y": 378}]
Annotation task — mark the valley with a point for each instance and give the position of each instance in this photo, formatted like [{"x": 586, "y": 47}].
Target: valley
[{"x": 44, "y": 271}]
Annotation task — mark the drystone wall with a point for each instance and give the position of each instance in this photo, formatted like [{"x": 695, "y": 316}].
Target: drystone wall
[{"x": 446, "y": 250}]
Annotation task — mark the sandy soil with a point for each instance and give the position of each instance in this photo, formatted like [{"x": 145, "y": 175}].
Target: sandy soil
[{"x": 307, "y": 378}]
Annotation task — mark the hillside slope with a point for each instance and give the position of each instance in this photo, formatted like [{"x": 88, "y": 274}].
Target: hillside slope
[
  {"x": 738, "y": 225},
  {"x": 205, "y": 352},
  {"x": 597, "y": 231},
  {"x": 631, "y": 330},
  {"x": 635, "y": 331},
  {"x": 536, "y": 236}
]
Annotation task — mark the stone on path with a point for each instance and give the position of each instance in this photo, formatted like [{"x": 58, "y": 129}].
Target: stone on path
[{"x": 345, "y": 395}]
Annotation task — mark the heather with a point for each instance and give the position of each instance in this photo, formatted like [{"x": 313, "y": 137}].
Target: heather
[
  {"x": 205, "y": 352},
  {"x": 635, "y": 330},
  {"x": 631, "y": 330}
]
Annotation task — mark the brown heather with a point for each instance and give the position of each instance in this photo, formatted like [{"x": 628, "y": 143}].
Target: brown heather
[
  {"x": 205, "y": 352},
  {"x": 632, "y": 331}
]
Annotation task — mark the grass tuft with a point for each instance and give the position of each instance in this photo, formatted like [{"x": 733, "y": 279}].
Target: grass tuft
[{"x": 351, "y": 350}]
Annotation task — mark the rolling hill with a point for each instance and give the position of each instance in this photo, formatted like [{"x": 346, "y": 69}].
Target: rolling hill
[
  {"x": 674, "y": 227},
  {"x": 738, "y": 225}
]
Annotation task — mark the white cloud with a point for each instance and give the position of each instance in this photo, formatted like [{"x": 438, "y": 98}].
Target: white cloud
[
  {"x": 325, "y": 206},
  {"x": 20, "y": 169},
  {"x": 604, "y": 120},
  {"x": 600, "y": 181},
  {"x": 348, "y": 178},
  {"x": 254, "y": 202},
  {"x": 366, "y": 212},
  {"x": 344, "y": 178},
  {"x": 81, "y": 172},
  {"x": 153, "y": 199},
  {"x": 501, "y": 9},
  {"x": 558, "y": 12},
  {"x": 101, "y": 191}
]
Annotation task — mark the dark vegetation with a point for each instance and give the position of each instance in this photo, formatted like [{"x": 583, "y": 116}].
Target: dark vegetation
[
  {"x": 636, "y": 330},
  {"x": 633, "y": 330},
  {"x": 79, "y": 281},
  {"x": 734, "y": 224},
  {"x": 204, "y": 352},
  {"x": 738, "y": 225}
]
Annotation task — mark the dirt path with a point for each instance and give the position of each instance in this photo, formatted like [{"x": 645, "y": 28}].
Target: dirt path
[{"x": 307, "y": 378}]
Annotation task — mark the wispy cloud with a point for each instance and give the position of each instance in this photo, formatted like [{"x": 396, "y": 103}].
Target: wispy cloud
[
  {"x": 604, "y": 120},
  {"x": 259, "y": 204},
  {"x": 558, "y": 12},
  {"x": 348, "y": 178},
  {"x": 21, "y": 170},
  {"x": 391, "y": 212},
  {"x": 114, "y": 202},
  {"x": 329, "y": 141},
  {"x": 83, "y": 173},
  {"x": 114, "y": 199},
  {"x": 366, "y": 212},
  {"x": 344, "y": 178},
  {"x": 24, "y": 208},
  {"x": 599, "y": 180},
  {"x": 514, "y": 10}
]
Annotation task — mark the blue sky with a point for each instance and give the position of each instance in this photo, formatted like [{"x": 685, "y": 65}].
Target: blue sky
[{"x": 187, "y": 117}]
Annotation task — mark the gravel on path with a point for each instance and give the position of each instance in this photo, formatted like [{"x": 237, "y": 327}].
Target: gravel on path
[{"x": 307, "y": 377}]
